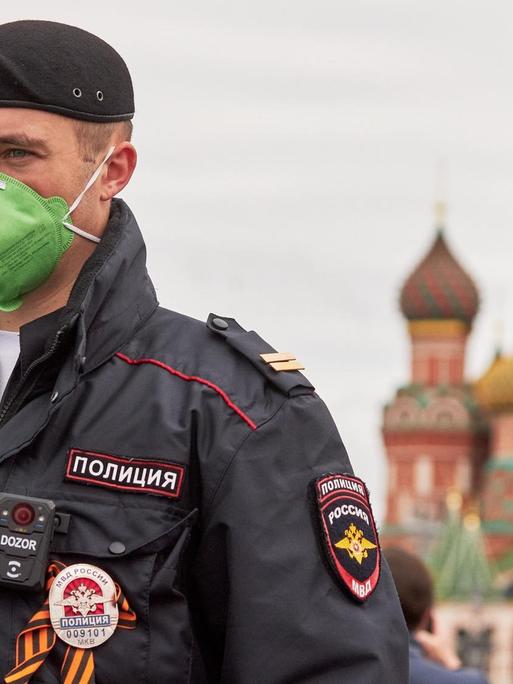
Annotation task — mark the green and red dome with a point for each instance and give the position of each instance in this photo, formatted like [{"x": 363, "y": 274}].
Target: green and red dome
[{"x": 439, "y": 288}]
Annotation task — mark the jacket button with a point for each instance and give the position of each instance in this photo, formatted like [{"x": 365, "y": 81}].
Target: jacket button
[
  {"x": 54, "y": 397},
  {"x": 219, "y": 323},
  {"x": 117, "y": 547}
]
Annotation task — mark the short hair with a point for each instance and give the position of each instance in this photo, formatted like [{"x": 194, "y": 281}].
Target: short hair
[
  {"x": 414, "y": 585},
  {"x": 93, "y": 138}
]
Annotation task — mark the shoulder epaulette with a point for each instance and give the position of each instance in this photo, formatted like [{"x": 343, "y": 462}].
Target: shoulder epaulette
[{"x": 282, "y": 370}]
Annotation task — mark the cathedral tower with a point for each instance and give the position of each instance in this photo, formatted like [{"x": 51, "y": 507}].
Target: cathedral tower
[
  {"x": 495, "y": 394},
  {"x": 433, "y": 431}
]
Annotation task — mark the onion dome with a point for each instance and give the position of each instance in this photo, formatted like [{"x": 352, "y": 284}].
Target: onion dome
[
  {"x": 494, "y": 390},
  {"x": 440, "y": 288}
]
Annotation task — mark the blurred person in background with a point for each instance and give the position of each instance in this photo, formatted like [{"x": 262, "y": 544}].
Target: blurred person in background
[{"x": 432, "y": 661}]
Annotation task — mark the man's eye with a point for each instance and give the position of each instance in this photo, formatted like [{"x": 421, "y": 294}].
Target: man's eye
[{"x": 16, "y": 153}]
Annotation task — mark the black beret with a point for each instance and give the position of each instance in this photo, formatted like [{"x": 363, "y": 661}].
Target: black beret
[{"x": 65, "y": 70}]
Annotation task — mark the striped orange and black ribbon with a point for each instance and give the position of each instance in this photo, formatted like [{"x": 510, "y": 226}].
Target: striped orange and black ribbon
[{"x": 38, "y": 638}]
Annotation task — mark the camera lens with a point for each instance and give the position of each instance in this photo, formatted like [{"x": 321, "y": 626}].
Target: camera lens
[{"x": 23, "y": 514}]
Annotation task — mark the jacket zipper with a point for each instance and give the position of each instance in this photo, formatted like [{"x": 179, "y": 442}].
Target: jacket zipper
[{"x": 23, "y": 380}]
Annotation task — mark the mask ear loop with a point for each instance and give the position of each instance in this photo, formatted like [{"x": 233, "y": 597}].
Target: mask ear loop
[
  {"x": 82, "y": 233},
  {"x": 75, "y": 204}
]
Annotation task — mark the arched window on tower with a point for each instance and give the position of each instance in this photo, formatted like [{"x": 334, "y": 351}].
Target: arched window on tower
[
  {"x": 423, "y": 476},
  {"x": 444, "y": 373},
  {"x": 456, "y": 371},
  {"x": 464, "y": 476},
  {"x": 432, "y": 371}
]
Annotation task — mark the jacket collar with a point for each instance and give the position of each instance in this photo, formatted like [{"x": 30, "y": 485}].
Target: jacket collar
[{"x": 113, "y": 294}]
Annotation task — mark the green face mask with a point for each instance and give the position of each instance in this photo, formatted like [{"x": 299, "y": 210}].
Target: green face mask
[{"x": 34, "y": 234}]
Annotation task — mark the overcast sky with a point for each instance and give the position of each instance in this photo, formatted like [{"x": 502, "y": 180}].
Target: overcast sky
[{"x": 288, "y": 154}]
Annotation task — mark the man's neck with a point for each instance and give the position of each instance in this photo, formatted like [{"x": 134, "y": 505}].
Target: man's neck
[{"x": 54, "y": 293}]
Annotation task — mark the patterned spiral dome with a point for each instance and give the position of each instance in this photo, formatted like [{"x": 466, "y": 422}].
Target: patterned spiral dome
[
  {"x": 439, "y": 288},
  {"x": 494, "y": 390}
]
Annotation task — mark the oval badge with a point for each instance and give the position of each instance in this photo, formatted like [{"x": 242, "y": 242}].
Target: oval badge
[
  {"x": 83, "y": 607},
  {"x": 350, "y": 538}
]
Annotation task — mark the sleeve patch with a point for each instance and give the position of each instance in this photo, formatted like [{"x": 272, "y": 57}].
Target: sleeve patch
[{"x": 348, "y": 532}]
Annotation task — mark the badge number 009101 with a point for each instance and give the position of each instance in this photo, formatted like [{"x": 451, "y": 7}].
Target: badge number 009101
[
  {"x": 349, "y": 535},
  {"x": 83, "y": 608}
]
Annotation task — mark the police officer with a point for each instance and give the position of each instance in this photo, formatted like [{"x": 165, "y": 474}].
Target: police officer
[{"x": 216, "y": 531}]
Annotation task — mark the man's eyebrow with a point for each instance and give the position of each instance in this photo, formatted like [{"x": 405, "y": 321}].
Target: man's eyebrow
[{"x": 22, "y": 140}]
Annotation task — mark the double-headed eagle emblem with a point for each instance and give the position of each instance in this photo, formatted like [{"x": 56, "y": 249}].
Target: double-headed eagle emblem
[
  {"x": 355, "y": 544},
  {"x": 82, "y": 600}
]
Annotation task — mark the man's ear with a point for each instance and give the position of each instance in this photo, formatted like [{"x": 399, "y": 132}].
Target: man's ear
[
  {"x": 118, "y": 171},
  {"x": 426, "y": 622}
]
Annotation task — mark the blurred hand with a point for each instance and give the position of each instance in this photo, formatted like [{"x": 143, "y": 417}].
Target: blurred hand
[{"x": 437, "y": 649}]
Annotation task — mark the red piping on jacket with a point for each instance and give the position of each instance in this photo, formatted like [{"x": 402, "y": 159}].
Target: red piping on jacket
[{"x": 191, "y": 378}]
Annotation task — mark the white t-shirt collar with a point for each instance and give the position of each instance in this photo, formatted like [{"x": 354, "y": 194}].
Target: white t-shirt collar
[{"x": 9, "y": 352}]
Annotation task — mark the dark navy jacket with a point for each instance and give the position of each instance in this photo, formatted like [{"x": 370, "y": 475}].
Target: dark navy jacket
[
  {"x": 424, "y": 671},
  {"x": 172, "y": 438}
]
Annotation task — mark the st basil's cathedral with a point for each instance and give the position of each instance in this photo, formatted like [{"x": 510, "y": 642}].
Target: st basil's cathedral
[{"x": 449, "y": 446}]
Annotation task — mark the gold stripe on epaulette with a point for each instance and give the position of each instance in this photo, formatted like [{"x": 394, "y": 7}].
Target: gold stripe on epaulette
[{"x": 282, "y": 361}]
